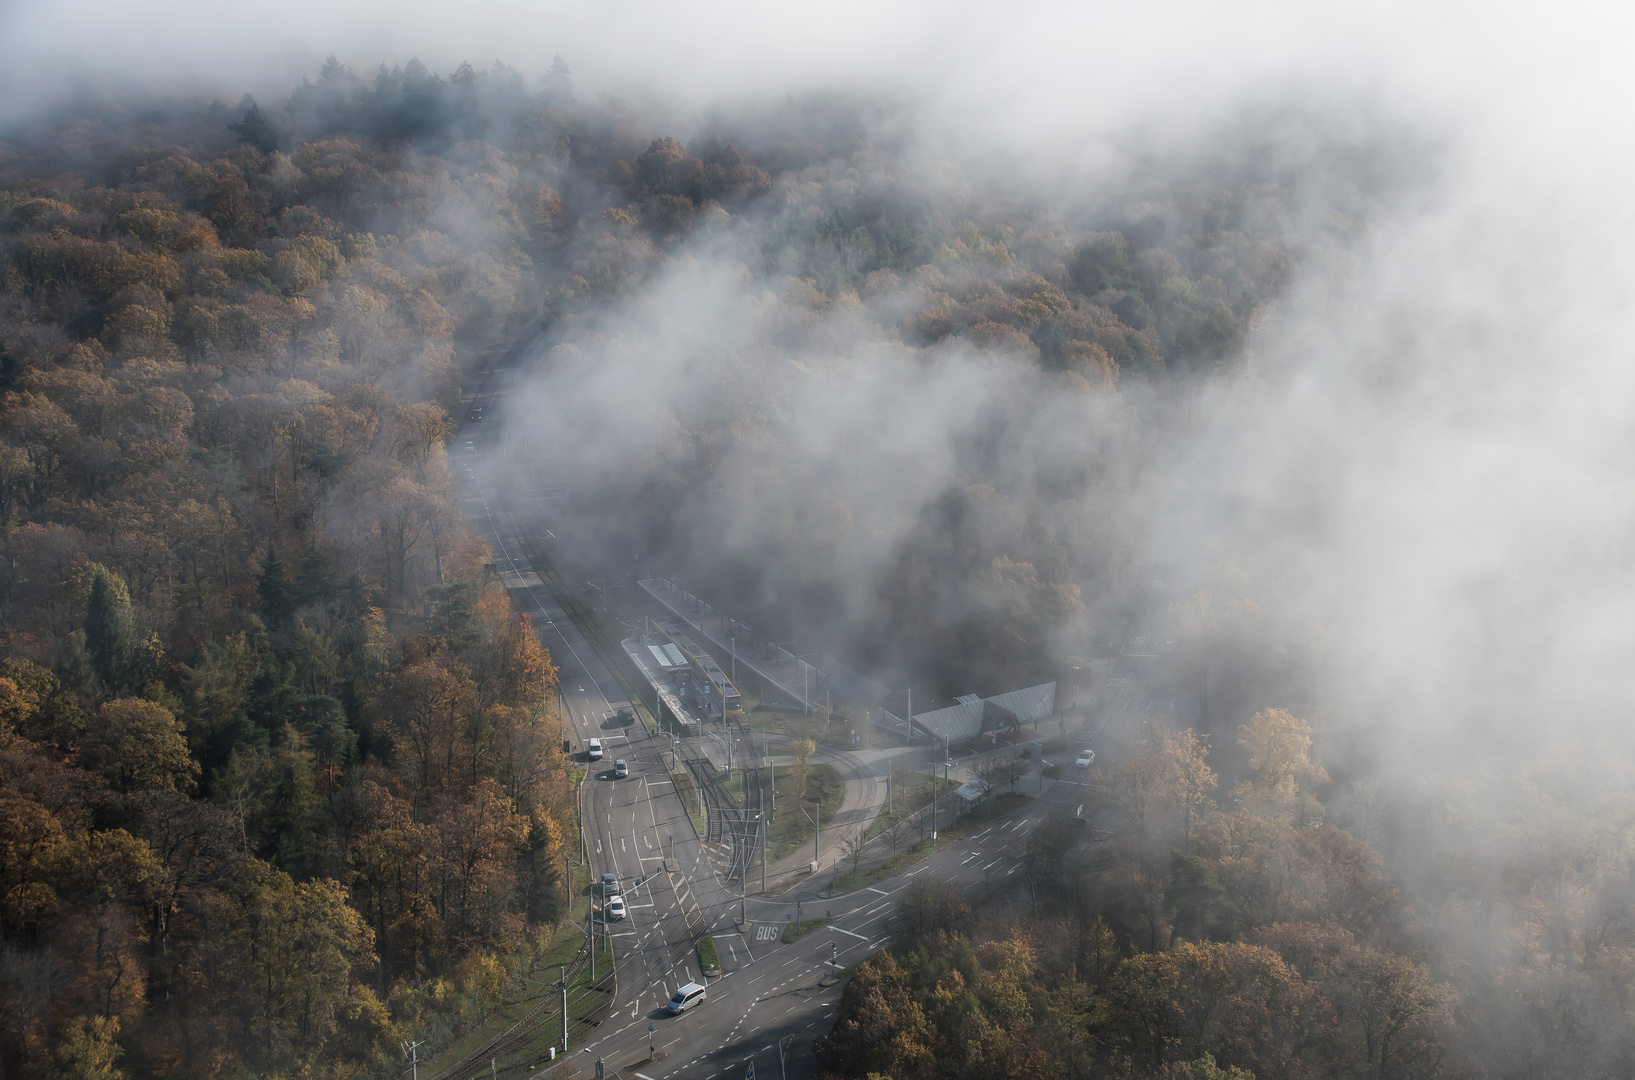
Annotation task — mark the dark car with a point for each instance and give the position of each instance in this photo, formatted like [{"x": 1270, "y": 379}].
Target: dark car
[{"x": 610, "y": 885}]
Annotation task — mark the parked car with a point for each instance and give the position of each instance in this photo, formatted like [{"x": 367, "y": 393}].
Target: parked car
[
  {"x": 685, "y": 998},
  {"x": 613, "y": 910},
  {"x": 610, "y": 885},
  {"x": 620, "y": 769},
  {"x": 1084, "y": 759},
  {"x": 594, "y": 750}
]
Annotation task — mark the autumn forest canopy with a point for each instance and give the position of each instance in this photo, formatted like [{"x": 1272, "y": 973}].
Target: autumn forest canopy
[{"x": 281, "y": 780}]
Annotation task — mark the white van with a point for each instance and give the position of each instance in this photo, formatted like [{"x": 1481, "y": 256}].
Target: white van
[
  {"x": 594, "y": 752},
  {"x": 685, "y": 998}
]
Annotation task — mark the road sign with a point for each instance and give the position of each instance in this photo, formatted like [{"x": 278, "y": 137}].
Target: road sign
[
  {"x": 750, "y": 1075},
  {"x": 650, "y": 1029}
]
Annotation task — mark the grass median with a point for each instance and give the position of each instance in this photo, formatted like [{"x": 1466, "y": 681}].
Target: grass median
[{"x": 709, "y": 961}]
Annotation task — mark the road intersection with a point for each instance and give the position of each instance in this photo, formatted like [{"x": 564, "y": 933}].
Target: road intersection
[{"x": 771, "y": 999}]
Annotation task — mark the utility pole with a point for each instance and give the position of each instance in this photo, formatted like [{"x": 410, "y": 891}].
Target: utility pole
[
  {"x": 934, "y": 796},
  {"x": 889, "y": 811},
  {"x": 563, "y": 983},
  {"x": 590, "y": 931},
  {"x": 411, "y": 1050},
  {"x": 763, "y": 854}
]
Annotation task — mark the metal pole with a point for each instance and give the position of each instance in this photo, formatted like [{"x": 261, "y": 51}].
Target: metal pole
[
  {"x": 564, "y": 1009},
  {"x": 590, "y": 929},
  {"x": 763, "y": 853}
]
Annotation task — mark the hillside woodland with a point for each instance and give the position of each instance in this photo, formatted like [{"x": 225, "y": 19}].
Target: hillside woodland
[
  {"x": 278, "y": 784},
  {"x": 279, "y": 777}
]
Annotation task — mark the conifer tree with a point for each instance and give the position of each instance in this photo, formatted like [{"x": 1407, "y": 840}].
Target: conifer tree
[
  {"x": 277, "y": 595},
  {"x": 105, "y": 632},
  {"x": 317, "y": 579}
]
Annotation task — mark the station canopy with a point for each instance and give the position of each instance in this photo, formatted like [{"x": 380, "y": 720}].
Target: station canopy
[{"x": 970, "y": 716}]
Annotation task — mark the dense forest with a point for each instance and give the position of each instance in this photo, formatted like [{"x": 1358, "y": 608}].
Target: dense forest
[
  {"x": 279, "y": 766},
  {"x": 1234, "y": 930}
]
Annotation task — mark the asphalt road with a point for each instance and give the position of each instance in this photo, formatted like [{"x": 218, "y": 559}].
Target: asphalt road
[{"x": 633, "y": 825}]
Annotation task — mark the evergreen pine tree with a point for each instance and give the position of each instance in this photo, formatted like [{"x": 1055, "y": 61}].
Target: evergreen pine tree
[
  {"x": 357, "y": 594},
  {"x": 318, "y": 583},
  {"x": 277, "y": 595},
  {"x": 255, "y": 128},
  {"x": 105, "y": 632}
]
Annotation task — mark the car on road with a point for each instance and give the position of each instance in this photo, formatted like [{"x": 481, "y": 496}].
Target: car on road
[
  {"x": 470, "y": 446},
  {"x": 1084, "y": 759},
  {"x": 613, "y": 910},
  {"x": 610, "y": 885},
  {"x": 620, "y": 769},
  {"x": 685, "y": 998},
  {"x": 626, "y": 716},
  {"x": 477, "y": 414},
  {"x": 594, "y": 750}
]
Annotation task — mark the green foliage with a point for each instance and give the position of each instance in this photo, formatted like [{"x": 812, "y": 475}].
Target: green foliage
[
  {"x": 1204, "y": 909},
  {"x": 278, "y": 596},
  {"x": 318, "y": 583},
  {"x": 105, "y": 640},
  {"x": 708, "y": 958},
  {"x": 254, "y": 128}
]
